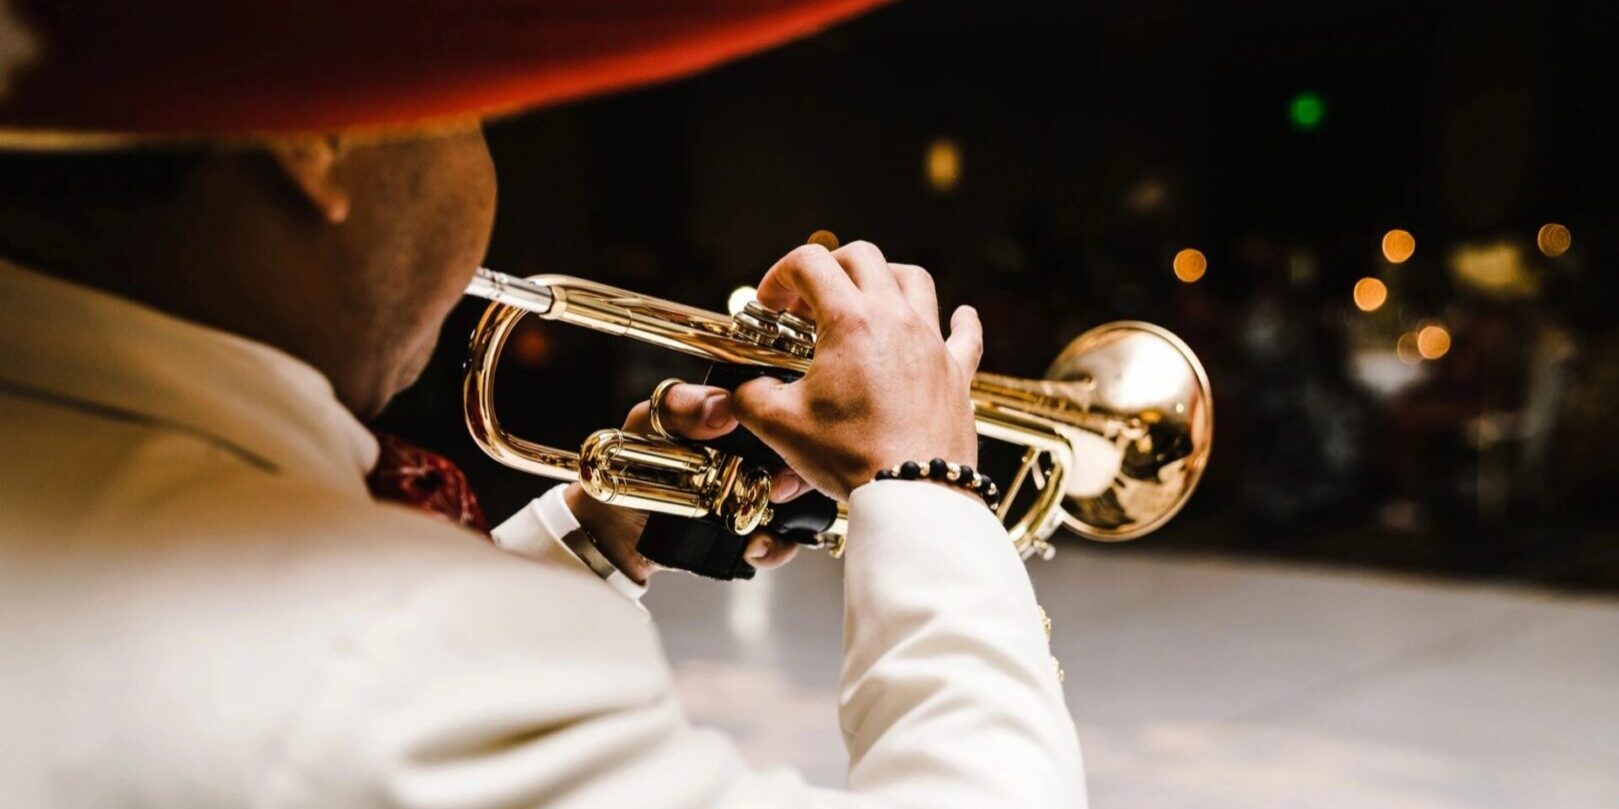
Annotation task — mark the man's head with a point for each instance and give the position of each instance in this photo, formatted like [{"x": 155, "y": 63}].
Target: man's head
[{"x": 347, "y": 254}]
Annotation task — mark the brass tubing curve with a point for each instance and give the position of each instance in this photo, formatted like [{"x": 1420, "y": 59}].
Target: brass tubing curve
[
  {"x": 478, "y": 396},
  {"x": 614, "y": 466},
  {"x": 1030, "y": 531}
]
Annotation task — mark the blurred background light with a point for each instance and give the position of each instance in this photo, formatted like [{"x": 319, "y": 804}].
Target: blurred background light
[
  {"x": 1554, "y": 239},
  {"x": 1433, "y": 342},
  {"x": 1406, "y": 349},
  {"x": 824, "y": 238},
  {"x": 943, "y": 165},
  {"x": 1146, "y": 196},
  {"x": 739, "y": 298},
  {"x": 531, "y": 345},
  {"x": 1496, "y": 270},
  {"x": 1370, "y": 294},
  {"x": 1190, "y": 264},
  {"x": 1307, "y": 110},
  {"x": 1399, "y": 245}
]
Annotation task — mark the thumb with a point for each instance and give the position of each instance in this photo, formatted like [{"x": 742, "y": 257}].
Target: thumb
[
  {"x": 966, "y": 341},
  {"x": 765, "y": 404}
]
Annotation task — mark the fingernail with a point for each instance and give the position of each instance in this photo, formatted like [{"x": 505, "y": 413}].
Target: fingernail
[
  {"x": 786, "y": 486},
  {"x": 717, "y": 410}
]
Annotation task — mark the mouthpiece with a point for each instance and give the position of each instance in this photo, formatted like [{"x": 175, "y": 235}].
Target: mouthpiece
[{"x": 511, "y": 291}]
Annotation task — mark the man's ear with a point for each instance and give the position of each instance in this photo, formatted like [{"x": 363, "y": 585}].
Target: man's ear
[{"x": 310, "y": 163}]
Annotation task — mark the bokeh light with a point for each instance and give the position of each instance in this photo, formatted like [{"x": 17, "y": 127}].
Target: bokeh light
[
  {"x": 1370, "y": 294},
  {"x": 1554, "y": 239},
  {"x": 1307, "y": 110},
  {"x": 739, "y": 298},
  {"x": 1433, "y": 342},
  {"x": 1399, "y": 245},
  {"x": 1406, "y": 349},
  {"x": 530, "y": 344},
  {"x": 1190, "y": 264},
  {"x": 943, "y": 165}
]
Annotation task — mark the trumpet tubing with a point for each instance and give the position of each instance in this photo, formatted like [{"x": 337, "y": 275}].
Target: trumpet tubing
[{"x": 1115, "y": 436}]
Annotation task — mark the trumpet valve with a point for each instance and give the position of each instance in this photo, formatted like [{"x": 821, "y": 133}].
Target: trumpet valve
[
  {"x": 755, "y": 324},
  {"x": 797, "y": 334},
  {"x": 779, "y": 330}
]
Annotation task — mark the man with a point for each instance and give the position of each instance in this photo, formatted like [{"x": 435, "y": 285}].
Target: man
[{"x": 204, "y": 605}]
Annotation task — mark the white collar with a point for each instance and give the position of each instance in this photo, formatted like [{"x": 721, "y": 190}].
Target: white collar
[{"x": 80, "y": 347}]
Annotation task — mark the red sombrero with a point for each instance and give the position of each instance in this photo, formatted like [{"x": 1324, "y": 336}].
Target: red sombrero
[{"x": 82, "y": 71}]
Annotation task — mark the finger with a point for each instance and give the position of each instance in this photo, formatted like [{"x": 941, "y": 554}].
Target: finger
[
  {"x": 767, "y": 406},
  {"x": 916, "y": 284},
  {"x": 787, "y": 485},
  {"x": 966, "y": 341},
  {"x": 868, "y": 267},
  {"x": 808, "y": 282},
  {"x": 766, "y": 551},
  {"x": 698, "y": 412}
]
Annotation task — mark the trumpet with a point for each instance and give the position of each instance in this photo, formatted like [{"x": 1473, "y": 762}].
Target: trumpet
[{"x": 1114, "y": 438}]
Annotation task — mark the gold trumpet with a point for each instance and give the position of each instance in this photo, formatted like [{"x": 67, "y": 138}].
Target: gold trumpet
[{"x": 1115, "y": 436}]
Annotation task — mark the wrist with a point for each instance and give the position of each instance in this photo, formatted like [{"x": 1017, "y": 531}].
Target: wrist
[
  {"x": 957, "y": 490},
  {"x": 889, "y": 459},
  {"x": 613, "y": 530},
  {"x": 960, "y": 477}
]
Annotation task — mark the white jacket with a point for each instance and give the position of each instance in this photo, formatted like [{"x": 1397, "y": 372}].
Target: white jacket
[{"x": 200, "y": 606}]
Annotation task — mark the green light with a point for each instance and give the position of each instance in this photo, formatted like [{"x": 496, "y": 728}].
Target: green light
[{"x": 1306, "y": 110}]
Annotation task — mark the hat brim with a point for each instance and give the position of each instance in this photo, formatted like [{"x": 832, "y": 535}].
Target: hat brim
[{"x": 108, "y": 71}]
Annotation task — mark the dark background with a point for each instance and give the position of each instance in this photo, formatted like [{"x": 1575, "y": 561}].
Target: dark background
[{"x": 1096, "y": 141}]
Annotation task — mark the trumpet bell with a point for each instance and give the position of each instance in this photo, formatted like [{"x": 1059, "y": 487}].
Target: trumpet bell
[{"x": 1140, "y": 429}]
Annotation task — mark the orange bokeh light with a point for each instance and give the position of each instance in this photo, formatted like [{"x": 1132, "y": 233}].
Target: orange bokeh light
[
  {"x": 1190, "y": 265},
  {"x": 1554, "y": 239},
  {"x": 1433, "y": 342},
  {"x": 1370, "y": 294},
  {"x": 943, "y": 165},
  {"x": 1399, "y": 245},
  {"x": 1406, "y": 349}
]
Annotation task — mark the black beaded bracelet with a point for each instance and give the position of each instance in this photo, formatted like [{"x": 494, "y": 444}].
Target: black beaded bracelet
[{"x": 942, "y": 471}]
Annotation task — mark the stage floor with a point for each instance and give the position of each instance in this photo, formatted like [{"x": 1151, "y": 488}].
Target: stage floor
[{"x": 1210, "y": 683}]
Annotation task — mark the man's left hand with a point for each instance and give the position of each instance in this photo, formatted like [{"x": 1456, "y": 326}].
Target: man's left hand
[{"x": 700, "y": 413}]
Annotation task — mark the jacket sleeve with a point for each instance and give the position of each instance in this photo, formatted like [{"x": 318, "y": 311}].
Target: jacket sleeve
[
  {"x": 538, "y": 531},
  {"x": 516, "y": 685}
]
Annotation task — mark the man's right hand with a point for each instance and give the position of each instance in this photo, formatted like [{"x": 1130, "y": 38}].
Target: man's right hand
[{"x": 884, "y": 387}]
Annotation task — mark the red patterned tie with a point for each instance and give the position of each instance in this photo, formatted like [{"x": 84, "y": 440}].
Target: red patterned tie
[{"x": 406, "y": 473}]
